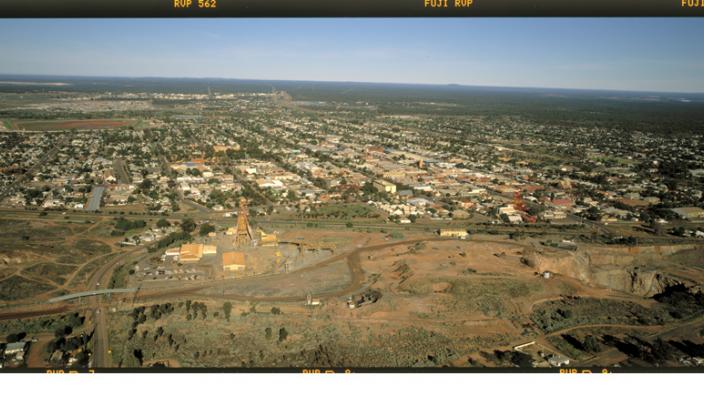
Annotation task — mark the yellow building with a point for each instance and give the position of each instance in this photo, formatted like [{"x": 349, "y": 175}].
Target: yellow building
[
  {"x": 268, "y": 239},
  {"x": 383, "y": 185},
  {"x": 454, "y": 233},
  {"x": 233, "y": 261},
  {"x": 191, "y": 252}
]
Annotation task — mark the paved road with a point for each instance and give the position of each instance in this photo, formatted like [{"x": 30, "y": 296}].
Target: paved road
[{"x": 96, "y": 195}]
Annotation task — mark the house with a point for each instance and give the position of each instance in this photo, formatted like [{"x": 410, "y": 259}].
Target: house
[
  {"x": 312, "y": 302},
  {"x": 15, "y": 350},
  {"x": 558, "y": 361},
  {"x": 514, "y": 219},
  {"x": 173, "y": 252},
  {"x": 405, "y": 194},
  {"x": 418, "y": 202},
  {"x": 553, "y": 215}
]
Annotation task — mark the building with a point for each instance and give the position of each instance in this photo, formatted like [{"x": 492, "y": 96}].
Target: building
[
  {"x": 453, "y": 233},
  {"x": 191, "y": 252},
  {"x": 312, "y": 302},
  {"x": 210, "y": 249},
  {"x": 553, "y": 215},
  {"x": 383, "y": 185},
  {"x": 690, "y": 213},
  {"x": 233, "y": 261},
  {"x": 15, "y": 350},
  {"x": 558, "y": 361},
  {"x": 268, "y": 239}
]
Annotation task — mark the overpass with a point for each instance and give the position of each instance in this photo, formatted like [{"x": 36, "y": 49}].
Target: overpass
[{"x": 90, "y": 293}]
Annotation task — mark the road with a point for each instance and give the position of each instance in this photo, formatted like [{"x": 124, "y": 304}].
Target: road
[
  {"x": 100, "y": 277},
  {"x": 96, "y": 196},
  {"x": 119, "y": 166}
]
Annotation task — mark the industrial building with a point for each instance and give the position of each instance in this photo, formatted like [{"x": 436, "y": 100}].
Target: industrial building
[
  {"x": 453, "y": 233},
  {"x": 233, "y": 261}
]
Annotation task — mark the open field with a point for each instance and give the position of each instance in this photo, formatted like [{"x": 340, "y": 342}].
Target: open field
[
  {"x": 40, "y": 257},
  {"x": 53, "y": 125}
]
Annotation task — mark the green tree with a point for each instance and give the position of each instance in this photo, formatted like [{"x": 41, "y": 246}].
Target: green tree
[
  {"x": 227, "y": 309},
  {"x": 590, "y": 344},
  {"x": 282, "y": 334},
  {"x": 206, "y": 228},
  {"x": 188, "y": 225}
]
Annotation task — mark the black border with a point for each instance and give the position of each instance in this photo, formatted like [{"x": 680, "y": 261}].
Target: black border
[{"x": 345, "y": 8}]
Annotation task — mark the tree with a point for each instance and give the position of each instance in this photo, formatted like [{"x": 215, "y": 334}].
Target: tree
[
  {"x": 227, "y": 309},
  {"x": 590, "y": 344},
  {"x": 163, "y": 223},
  {"x": 188, "y": 225},
  {"x": 282, "y": 334},
  {"x": 146, "y": 185},
  {"x": 206, "y": 228},
  {"x": 275, "y": 310},
  {"x": 267, "y": 333}
]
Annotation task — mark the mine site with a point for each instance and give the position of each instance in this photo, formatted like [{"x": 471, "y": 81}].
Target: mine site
[{"x": 181, "y": 223}]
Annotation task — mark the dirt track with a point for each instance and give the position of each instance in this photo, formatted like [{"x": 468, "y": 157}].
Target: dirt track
[{"x": 33, "y": 312}]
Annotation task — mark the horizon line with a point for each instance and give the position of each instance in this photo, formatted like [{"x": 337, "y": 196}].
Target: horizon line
[{"x": 519, "y": 87}]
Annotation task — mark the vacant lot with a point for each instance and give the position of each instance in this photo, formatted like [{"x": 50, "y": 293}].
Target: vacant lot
[
  {"x": 17, "y": 288},
  {"x": 57, "y": 273},
  {"x": 38, "y": 256}
]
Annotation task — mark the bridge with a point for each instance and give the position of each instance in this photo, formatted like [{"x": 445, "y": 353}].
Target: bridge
[{"x": 90, "y": 293}]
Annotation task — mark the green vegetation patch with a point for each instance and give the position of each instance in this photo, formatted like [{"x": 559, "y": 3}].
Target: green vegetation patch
[
  {"x": 573, "y": 311},
  {"x": 91, "y": 247},
  {"x": 41, "y": 324},
  {"x": 54, "y": 272},
  {"x": 120, "y": 276},
  {"x": 17, "y": 288}
]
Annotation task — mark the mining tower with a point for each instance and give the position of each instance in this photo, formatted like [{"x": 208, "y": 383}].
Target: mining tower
[{"x": 244, "y": 233}]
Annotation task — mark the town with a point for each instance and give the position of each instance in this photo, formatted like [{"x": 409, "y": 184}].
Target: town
[{"x": 138, "y": 218}]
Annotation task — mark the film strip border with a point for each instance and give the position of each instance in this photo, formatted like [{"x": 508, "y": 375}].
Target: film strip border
[{"x": 347, "y": 8}]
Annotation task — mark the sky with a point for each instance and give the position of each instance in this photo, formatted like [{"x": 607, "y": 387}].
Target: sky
[{"x": 640, "y": 54}]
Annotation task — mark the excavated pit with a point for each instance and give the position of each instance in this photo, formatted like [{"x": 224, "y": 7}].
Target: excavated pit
[{"x": 643, "y": 270}]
